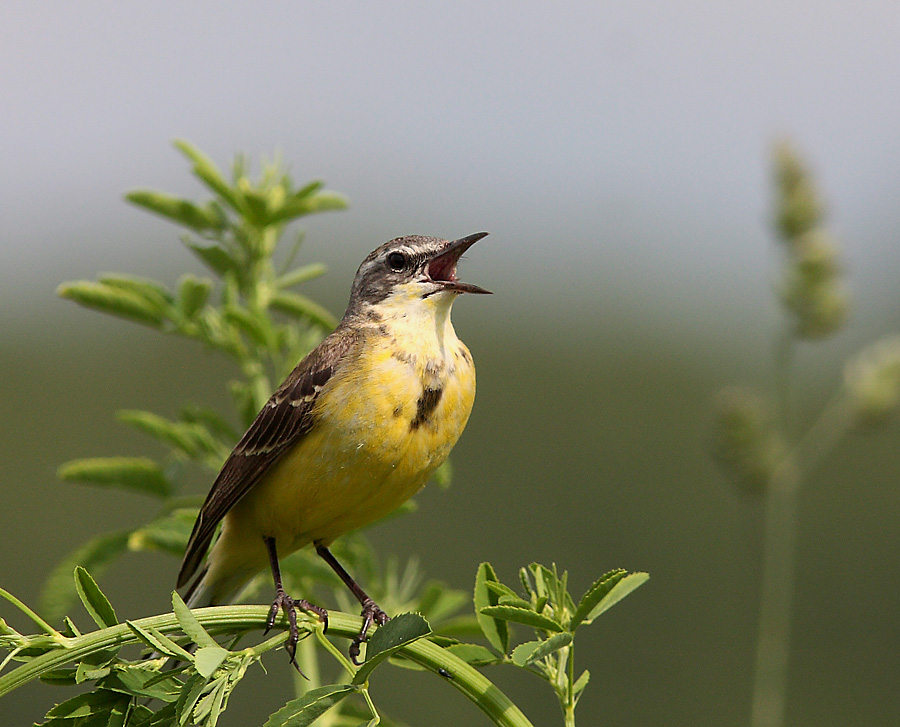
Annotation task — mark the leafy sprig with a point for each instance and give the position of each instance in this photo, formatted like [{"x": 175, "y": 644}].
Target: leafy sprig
[
  {"x": 147, "y": 689},
  {"x": 550, "y": 612}
]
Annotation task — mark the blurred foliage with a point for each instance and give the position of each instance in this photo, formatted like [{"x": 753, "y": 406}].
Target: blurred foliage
[
  {"x": 756, "y": 438},
  {"x": 811, "y": 288},
  {"x": 247, "y": 310}
]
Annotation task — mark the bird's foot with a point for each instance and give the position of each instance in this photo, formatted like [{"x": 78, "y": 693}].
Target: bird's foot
[
  {"x": 371, "y": 613},
  {"x": 289, "y": 605}
]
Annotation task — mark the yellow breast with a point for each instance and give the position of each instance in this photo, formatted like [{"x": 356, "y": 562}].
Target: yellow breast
[{"x": 383, "y": 423}]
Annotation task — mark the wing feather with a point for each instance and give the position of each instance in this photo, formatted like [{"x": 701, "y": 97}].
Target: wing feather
[{"x": 282, "y": 422}]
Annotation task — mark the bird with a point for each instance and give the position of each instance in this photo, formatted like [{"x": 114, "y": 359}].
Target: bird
[{"x": 355, "y": 430}]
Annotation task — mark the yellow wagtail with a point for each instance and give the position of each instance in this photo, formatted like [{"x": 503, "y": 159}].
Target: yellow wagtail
[{"x": 354, "y": 431}]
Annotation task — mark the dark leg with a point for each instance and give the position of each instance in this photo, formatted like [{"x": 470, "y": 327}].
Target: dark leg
[
  {"x": 371, "y": 613},
  {"x": 288, "y": 604}
]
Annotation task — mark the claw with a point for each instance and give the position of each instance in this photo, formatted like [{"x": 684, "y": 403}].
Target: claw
[
  {"x": 371, "y": 613},
  {"x": 289, "y": 605}
]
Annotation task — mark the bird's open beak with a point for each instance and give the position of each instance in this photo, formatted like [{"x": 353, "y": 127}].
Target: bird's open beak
[{"x": 442, "y": 267}]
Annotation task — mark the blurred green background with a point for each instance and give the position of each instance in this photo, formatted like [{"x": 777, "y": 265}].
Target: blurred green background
[{"x": 619, "y": 158}]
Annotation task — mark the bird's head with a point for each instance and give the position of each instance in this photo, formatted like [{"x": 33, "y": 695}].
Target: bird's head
[{"x": 412, "y": 271}]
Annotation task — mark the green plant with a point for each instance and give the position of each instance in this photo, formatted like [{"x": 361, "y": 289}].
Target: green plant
[
  {"x": 248, "y": 310},
  {"x": 758, "y": 438}
]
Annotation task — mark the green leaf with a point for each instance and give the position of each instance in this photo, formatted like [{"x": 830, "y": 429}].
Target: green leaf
[
  {"x": 69, "y": 627},
  {"x": 102, "y": 657},
  {"x": 96, "y": 556},
  {"x": 515, "y": 601},
  {"x": 474, "y": 654},
  {"x": 209, "y": 658},
  {"x": 168, "y": 533},
  {"x": 581, "y": 683},
  {"x": 190, "y": 438},
  {"x": 144, "y": 717},
  {"x": 160, "y": 642},
  {"x": 178, "y": 210},
  {"x": 562, "y": 594},
  {"x": 219, "y": 698},
  {"x": 302, "y": 307},
  {"x": 208, "y": 173},
  {"x": 545, "y": 580},
  {"x": 244, "y": 401},
  {"x": 201, "y": 713},
  {"x": 59, "y": 677},
  {"x": 120, "y": 714},
  {"x": 532, "y": 651},
  {"x": 501, "y": 589},
  {"x": 139, "y": 716},
  {"x": 191, "y": 693},
  {"x": 128, "y": 473},
  {"x": 328, "y": 201},
  {"x": 592, "y": 606},
  {"x": 193, "y": 292},
  {"x": 94, "y": 601},
  {"x": 443, "y": 475},
  {"x": 309, "y": 189},
  {"x": 523, "y": 616},
  {"x": 87, "y": 672},
  {"x": 140, "y": 682},
  {"x": 150, "y": 290},
  {"x": 521, "y": 655},
  {"x": 115, "y": 301},
  {"x": 85, "y": 705},
  {"x": 526, "y": 581},
  {"x": 593, "y": 595},
  {"x": 294, "y": 207},
  {"x": 306, "y": 709},
  {"x": 460, "y": 627},
  {"x": 254, "y": 203},
  {"x": 569, "y": 604},
  {"x": 495, "y": 630},
  {"x": 395, "y": 634},
  {"x": 190, "y": 624},
  {"x": 301, "y": 275},
  {"x": 213, "y": 256},
  {"x": 255, "y": 326},
  {"x": 438, "y": 601},
  {"x": 213, "y": 421}
]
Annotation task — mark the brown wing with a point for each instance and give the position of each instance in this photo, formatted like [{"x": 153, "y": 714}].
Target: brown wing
[{"x": 282, "y": 422}]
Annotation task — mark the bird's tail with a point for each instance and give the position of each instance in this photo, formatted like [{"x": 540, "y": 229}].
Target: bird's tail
[
  {"x": 218, "y": 587},
  {"x": 200, "y": 593}
]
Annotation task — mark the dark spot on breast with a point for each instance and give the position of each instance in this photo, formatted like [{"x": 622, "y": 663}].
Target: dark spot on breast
[
  {"x": 426, "y": 404},
  {"x": 465, "y": 355},
  {"x": 398, "y": 411}
]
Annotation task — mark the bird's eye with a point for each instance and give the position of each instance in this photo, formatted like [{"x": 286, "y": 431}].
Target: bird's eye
[{"x": 396, "y": 261}]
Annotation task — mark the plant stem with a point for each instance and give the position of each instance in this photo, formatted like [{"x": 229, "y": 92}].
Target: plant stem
[
  {"x": 779, "y": 555},
  {"x": 784, "y": 358},
  {"x": 43, "y": 625},
  {"x": 569, "y": 711},
  {"x": 228, "y": 619},
  {"x": 773, "y": 639},
  {"x": 376, "y": 718}
]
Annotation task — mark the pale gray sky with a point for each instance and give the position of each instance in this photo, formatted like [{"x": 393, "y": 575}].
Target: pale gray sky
[{"x": 620, "y": 145}]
